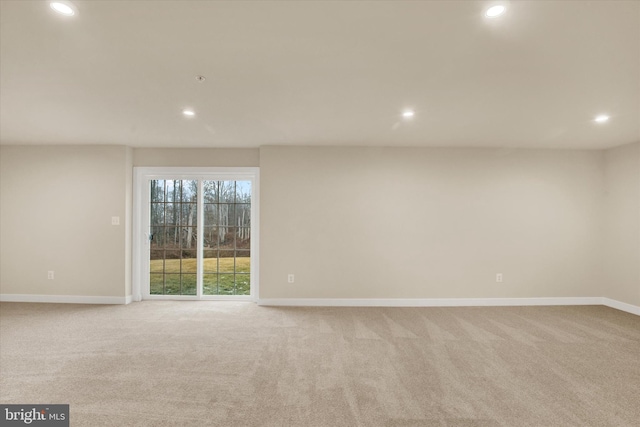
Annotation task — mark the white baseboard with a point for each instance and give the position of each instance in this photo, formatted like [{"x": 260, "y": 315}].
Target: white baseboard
[
  {"x": 71, "y": 299},
  {"x": 629, "y": 308},
  {"x": 426, "y": 302},
  {"x": 356, "y": 302},
  {"x": 446, "y": 302}
]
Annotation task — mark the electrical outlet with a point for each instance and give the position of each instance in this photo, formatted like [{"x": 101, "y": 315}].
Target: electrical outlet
[
  {"x": 115, "y": 220},
  {"x": 291, "y": 278},
  {"x": 499, "y": 277},
  {"x": 50, "y": 275}
]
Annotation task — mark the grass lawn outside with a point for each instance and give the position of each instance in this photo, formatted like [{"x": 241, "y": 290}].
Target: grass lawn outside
[{"x": 218, "y": 276}]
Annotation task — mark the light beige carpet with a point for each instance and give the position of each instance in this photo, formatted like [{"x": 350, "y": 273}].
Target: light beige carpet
[{"x": 237, "y": 364}]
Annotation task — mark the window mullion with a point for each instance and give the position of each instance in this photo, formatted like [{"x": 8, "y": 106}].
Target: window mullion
[{"x": 200, "y": 238}]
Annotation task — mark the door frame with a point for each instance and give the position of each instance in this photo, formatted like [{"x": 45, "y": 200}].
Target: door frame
[{"x": 140, "y": 241}]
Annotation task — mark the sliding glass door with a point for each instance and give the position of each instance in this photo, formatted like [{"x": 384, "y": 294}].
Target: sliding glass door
[{"x": 200, "y": 229}]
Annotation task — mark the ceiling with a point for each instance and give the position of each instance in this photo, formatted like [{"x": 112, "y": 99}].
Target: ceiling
[{"x": 321, "y": 73}]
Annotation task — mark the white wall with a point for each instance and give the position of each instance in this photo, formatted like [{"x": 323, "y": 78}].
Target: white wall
[
  {"x": 202, "y": 157},
  {"x": 349, "y": 222},
  {"x": 56, "y": 205},
  {"x": 430, "y": 223},
  {"x": 622, "y": 224}
]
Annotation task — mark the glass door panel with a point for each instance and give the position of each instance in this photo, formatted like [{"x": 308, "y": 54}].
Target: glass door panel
[
  {"x": 173, "y": 237},
  {"x": 227, "y": 238}
]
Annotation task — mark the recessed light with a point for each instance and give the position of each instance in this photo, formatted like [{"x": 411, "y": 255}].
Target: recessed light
[
  {"x": 188, "y": 113},
  {"x": 601, "y": 118},
  {"x": 63, "y": 8},
  {"x": 494, "y": 11},
  {"x": 408, "y": 114}
]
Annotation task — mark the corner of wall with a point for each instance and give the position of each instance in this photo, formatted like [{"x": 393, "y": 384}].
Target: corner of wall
[
  {"x": 128, "y": 173},
  {"x": 621, "y": 260}
]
